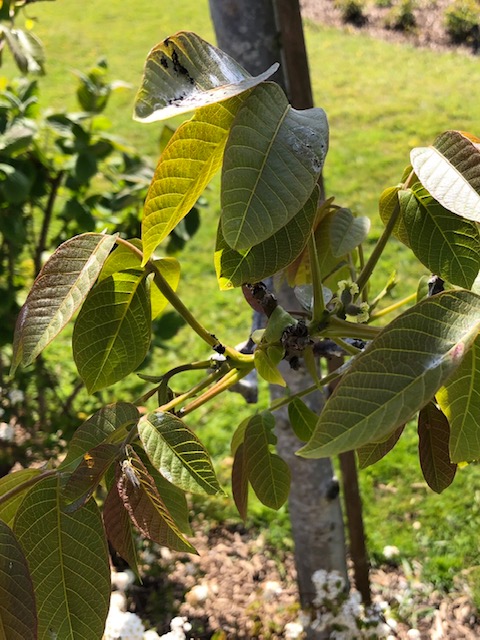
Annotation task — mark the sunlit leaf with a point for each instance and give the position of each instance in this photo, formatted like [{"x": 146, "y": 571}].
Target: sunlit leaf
[
  {"x": 176, "y": 452},
  {"x": 434, "y": 434},
  {"x": 18, "y": 616},
  {"x": 450, "y": 170},
  {"x": 112, "y": 333},
  {"x": 192, "y": 156},
  {"x": 347, "y": 232},
  {"x": 9, "y": 506},
  {"x": 119, "y": 527},
  {"x": 268, "y": 474},
  {"x": 302, "y": 419},
  {"x": 397, "y": 374},
  {"x": 446, "y": 244},
  {"x": 266, "y": 361},
  {"x": 272, "y": 161},
  {"x": 122, "y": 259},
  {"x": 240, "y": 481},
  {"x": 183, "y": 73},
  {"x": 59, "y": 290},
  {"x": 109, "y": 424},
  {"x": 459, "y": 399},
  {"x": 269, "y": 257},
  {"x": 68, "y": 559},
  {"x": 371, "y": 453},
  {"x": 145, "y": 506}
]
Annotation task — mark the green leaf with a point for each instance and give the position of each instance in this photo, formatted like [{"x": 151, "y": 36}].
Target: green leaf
[
  {"x": 450, "y": 170},
  {"x": 268, "y": 474},
  {"x": 266, "y": 361},
  {"x": 273, "y": 158},
  {"x": 119, "y": 528},
  {"x": 146, "y": 508},
  {"x": 302, "y": 419},
  {"x": 191, "y": 158},
  {"x": 176, "y": 452},
  {"x": 446, "y": 244},
  {"x": 59, "y": 290},
  {"x": 87, "y": 476},
  {"x": 240, "y": 481},
  {"x": 371, "y": 453},
  {"x": 68, "y": 559},
  {"x": 397, "y": 374},
  {"x": 109, "y": 424},
  {"x": 9, "y": 507},
  {"x": 238, "y": 436},
  {"x": 183, "y": 73},
  {"x": 459, "y": 399},
  {"x": 434, "y": 434},
  {"x": 268, "y": 257},
  {"x": 122, "y": 259},
  {"x": 347, "y": 232},
  {"x": 112, "y": 333},
  {"x": 18, "y": 614}
]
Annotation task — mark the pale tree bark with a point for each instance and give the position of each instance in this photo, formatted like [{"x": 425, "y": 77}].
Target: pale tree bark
[{"x": 247, "y": 30}]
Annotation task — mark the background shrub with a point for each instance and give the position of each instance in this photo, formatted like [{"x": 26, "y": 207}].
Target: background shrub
[
  {"x": 462, "y": 20},
  {"x": 402, "y": 17},
  {"x": 353, "y": 11}
]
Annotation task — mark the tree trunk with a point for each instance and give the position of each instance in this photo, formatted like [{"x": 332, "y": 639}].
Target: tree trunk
[{"x": 247, "y": 30}]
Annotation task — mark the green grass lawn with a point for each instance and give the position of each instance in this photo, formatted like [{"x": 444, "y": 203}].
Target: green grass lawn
[{"x": 381, "y": 100}]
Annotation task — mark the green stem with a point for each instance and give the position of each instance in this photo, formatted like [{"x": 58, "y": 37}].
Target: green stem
[
  {"x": 338, "y": 328},
  {"x": 203, "y": 384},
  {"x": 348, "y": 348},
  {"x": 393, "y": 307},
  {"x": 368, "y": 269},
  {"x": 281, "y": 402},
  {"x": 178, "y": 305},
  {"x": 318, "y": 299},
  {"x": 228, "y": 380}
]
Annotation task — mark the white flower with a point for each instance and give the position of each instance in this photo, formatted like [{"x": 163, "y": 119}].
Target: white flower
[
  {"x": 121, "y": 580},
  {"x": 118, "y": 601},
  {"x": 292, "y": 630},
  {"x": 16, "y": 395},
  {"x": 271, "y": 590},
  {"x": 123, "y": 625},
  {"x": 151, "y": 634},
  {"x": 413, "y": 634},
  {"x": 7, "y": 432},
  {"x": 390, "y": 551}
]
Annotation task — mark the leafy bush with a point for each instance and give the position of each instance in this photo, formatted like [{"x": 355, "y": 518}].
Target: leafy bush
[
  {"x": 462, "y": 21},
  {"x": 402, "y": 17},
  {"x": 353, "y": 11}
]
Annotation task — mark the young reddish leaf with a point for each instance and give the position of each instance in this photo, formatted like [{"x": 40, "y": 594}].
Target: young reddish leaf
[
  {"x": 375, "y": 451},
  {"x": 112, "y": 333},
  {"x": 87, "y": 476},
  {"x": 119, "y": 528},
  {"x": 9, "y": 506},
  {"x": 109, "y": 424},
  {"x": 18, "y": 614},
  {"x": 145, "y": 507},
  {"x": 268, "y": 474},
  {"x": 177, "y": 453},
  {"x": 59, "y": 290},
  {"x": 240, "y": 481},
  {"x": 68, "y": 560},
  {"x": 434, "y": 435}
]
